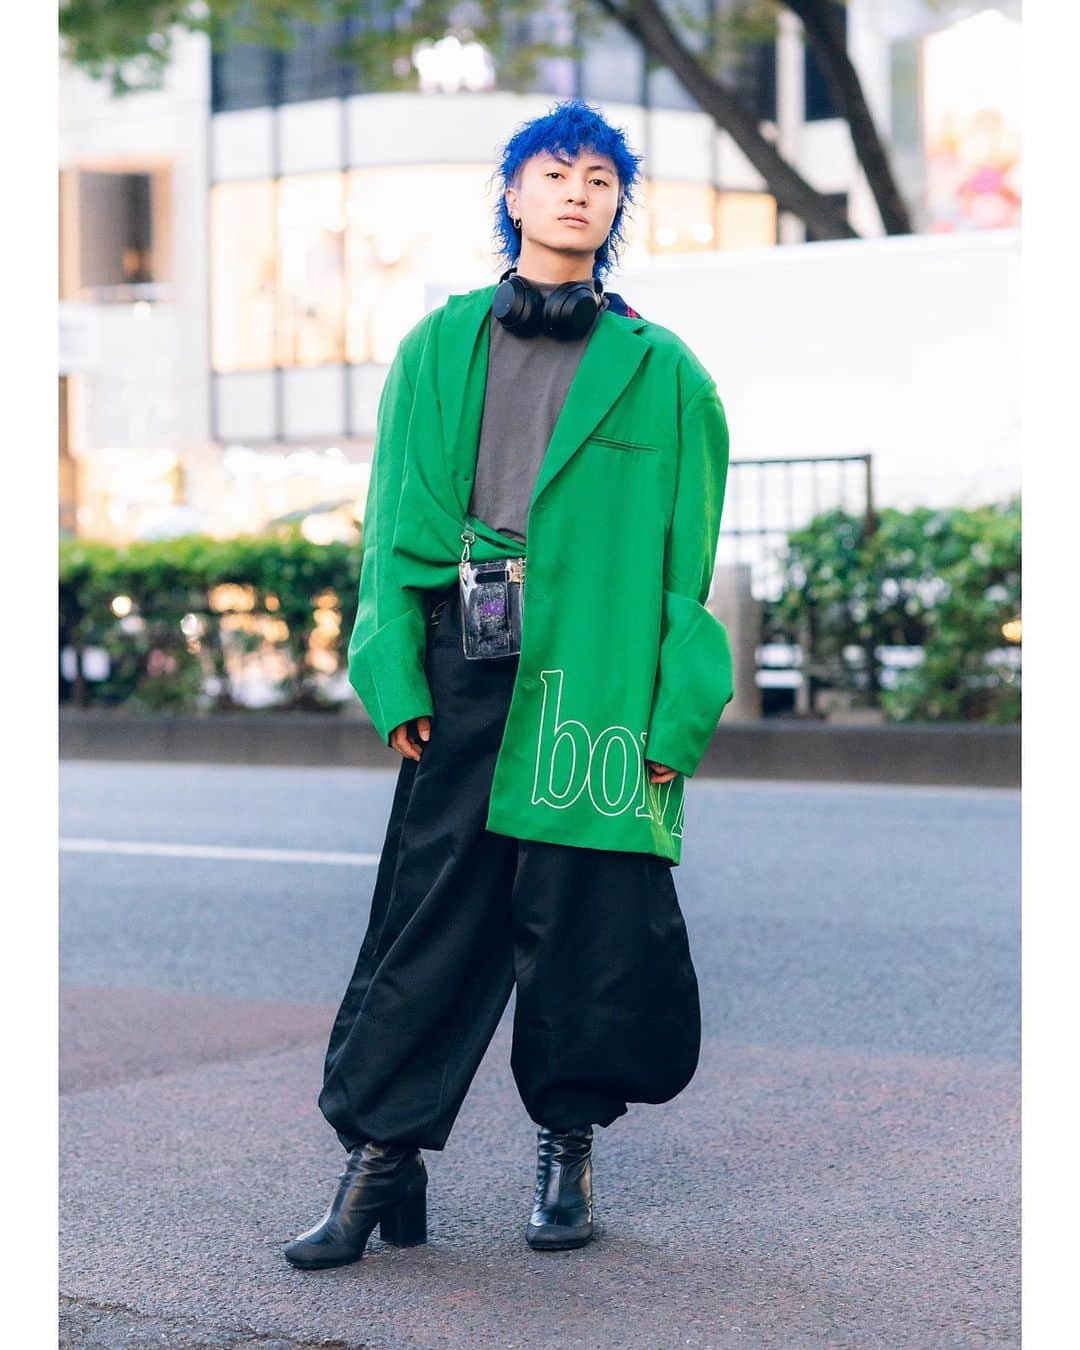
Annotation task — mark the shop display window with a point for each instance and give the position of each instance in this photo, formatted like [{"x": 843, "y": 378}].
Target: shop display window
[
  {"x": 310, "y": 237},
  {"x": 243, "y": 279},
  {"x": 409, "y": 225}
]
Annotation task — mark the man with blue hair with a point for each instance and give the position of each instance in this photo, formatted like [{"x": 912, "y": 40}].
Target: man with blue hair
[
  {"x": 538, "y": 420},
  {"x": 565, "y": 134}
]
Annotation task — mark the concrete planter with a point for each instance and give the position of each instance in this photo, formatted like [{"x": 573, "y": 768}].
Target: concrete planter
[{"x": 962, "y": 754}]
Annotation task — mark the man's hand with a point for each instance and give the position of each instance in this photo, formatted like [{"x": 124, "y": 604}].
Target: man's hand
[
  {"x": 659, "y": 773},
  {"x": 406, "y": 744}
]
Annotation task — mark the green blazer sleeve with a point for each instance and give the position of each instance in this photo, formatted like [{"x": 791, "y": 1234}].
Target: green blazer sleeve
[
  {"x": 694, "y": 677},
  {"x": 386, "y": 649}
]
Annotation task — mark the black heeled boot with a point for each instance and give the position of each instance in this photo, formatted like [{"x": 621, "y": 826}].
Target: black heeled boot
[
  {"x": 384, "y": 1184},
  {"x": 562, "y": 1214}
]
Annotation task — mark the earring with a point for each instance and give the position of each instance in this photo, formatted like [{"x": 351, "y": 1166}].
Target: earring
[{"x": 517, "y": 223}]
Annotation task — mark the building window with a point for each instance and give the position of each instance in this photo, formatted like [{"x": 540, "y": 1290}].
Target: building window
[
  {"x": 246, "y": 75},
  {"x": 679, "y": 217},
  {"x": 310, "y": 270},
  {"x": 312, "y": 68},
  {"x": 397, "y": 243},
  {"x": 330, "y": 267},
  {"x": 745, "y": 220},
  {"x": 692, "y": 217},
  {"x": 819, "y": 103},
  {"x": 120, "y": 222},
  {"x": 243, "y": 282},
  {"x": 242, "y": 76},
  {"x": 278, "y": 272},
  {"x": 755, "y": 78}
]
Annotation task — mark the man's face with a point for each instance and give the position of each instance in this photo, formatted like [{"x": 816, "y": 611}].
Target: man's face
[{"x": 552, "y": 188}]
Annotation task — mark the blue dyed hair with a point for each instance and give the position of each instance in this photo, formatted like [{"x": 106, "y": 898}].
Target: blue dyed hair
[{"x": 568, "y": 127}]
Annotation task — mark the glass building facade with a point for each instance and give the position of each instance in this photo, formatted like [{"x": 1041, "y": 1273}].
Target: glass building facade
[
  {"x": 610, "y": 65},
  {"x": 320, "y": 261}
]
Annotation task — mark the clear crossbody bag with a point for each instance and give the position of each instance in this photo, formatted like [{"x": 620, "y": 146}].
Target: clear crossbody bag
[{"x": 492, "y": 600}]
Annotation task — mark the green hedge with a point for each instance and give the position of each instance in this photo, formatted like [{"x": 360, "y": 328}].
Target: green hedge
[
  {"x": 945, "y": 580},
  {"x": 154, "y": 663}
]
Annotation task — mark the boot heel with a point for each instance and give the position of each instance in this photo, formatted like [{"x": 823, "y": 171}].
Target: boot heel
[{"x": 406, "y": 1224}]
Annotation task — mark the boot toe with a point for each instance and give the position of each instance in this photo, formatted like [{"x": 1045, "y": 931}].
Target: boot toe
[
  {"x": 553, "y": 1237},
  {"x": 311, "y": 1254}
]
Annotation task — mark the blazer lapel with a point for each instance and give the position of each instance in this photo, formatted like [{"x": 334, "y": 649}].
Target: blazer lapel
[
  {"x": 610, "y": 358},
  {"x": 461, "y": 376}
]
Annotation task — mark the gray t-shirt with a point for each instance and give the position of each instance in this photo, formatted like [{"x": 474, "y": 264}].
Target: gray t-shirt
[{"x": 527, "y": 381}]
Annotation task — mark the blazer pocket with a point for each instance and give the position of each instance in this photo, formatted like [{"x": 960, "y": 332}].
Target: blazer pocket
[{"x": 618, "y": 444}]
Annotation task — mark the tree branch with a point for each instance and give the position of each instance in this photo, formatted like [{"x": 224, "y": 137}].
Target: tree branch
[
  {"x": 644, "y": 20},
  {"x": 822, "y": 25}
]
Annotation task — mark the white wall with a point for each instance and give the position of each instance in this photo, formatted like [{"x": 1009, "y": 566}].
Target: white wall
[
  {"x": 147, "y": 385},
  {"x": 907, "y": 347}
]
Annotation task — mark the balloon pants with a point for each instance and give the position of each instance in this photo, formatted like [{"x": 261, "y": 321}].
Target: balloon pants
[{"x": 592, "y": 942}]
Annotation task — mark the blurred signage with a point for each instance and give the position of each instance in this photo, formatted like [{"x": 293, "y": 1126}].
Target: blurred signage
[{"x": 971, "y": 113}]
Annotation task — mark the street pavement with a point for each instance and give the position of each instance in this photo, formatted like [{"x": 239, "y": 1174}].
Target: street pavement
[{"x": 843, "y": 1170}]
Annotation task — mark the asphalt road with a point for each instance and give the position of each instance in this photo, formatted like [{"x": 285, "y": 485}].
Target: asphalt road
[{"x": 843, "y": 1170}]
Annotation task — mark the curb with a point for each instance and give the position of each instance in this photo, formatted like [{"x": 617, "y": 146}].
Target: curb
[{"x": 958, "y": 754}]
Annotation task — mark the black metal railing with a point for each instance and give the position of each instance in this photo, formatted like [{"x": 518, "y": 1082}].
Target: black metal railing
[{"x": 766, "y": 499}]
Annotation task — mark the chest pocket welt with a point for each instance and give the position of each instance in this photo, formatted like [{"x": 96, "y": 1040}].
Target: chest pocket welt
[{"x": 616, "y": 443}]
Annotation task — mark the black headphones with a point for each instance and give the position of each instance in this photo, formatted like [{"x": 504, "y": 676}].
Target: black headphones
[{"x": 567, "y": 313}]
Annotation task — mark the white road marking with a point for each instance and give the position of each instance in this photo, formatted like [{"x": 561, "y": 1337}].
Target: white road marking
[{"x": 222, "y": 853}]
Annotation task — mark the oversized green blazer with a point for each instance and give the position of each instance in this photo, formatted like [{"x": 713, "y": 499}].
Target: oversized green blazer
[{"x": 620, "y": 660}]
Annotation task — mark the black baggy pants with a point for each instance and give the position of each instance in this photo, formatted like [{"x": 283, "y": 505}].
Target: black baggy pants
[{"x": 607, "y": 1008}]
